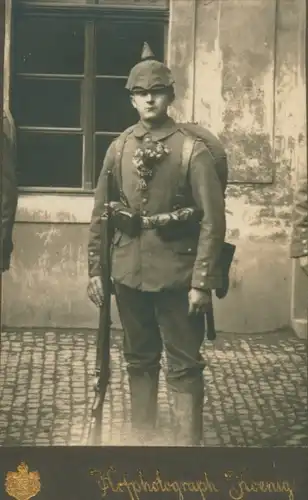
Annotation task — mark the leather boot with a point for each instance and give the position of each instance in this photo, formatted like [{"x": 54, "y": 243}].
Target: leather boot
[
  {"x": 144, "y": 392},
  {"x": 188, "y": 413}
]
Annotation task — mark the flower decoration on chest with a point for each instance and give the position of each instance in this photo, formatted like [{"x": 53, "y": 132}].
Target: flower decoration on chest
[{"x": 146, "y": 157}]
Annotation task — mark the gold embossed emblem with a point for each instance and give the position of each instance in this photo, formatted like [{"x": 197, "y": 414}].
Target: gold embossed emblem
[{"x": 22, "y": 484}]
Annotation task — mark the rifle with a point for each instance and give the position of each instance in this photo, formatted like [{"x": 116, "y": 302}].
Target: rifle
[{"x": 102, "y": 366}]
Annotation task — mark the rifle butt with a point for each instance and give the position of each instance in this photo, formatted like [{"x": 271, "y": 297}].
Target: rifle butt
[
  {"x": 100, "y": 387},
  {"x": 95, "y": 433}
]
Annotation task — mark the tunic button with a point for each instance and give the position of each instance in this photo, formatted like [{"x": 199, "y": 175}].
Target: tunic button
[
  {"x": 202, "y": 283},
  {"x": 144, "y": 212},
  {"x": 204, "y": 264},
  {"x": 189, "y": 250},
  {"x": 304, "y": 241},
  {"x": 144, "y": 200},
  {"x": 203, "y": 274}
]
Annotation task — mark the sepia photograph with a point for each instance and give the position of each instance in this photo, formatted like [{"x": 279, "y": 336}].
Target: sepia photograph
[{"x": 154, "y": 224}]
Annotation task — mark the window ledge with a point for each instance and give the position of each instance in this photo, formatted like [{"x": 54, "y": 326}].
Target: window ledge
[{"x": 55, "y": 208}]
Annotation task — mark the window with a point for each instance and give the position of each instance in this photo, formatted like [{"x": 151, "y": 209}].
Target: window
[{"x": 68, "y": 91}]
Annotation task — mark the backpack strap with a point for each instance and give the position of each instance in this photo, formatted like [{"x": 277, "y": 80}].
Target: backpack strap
[
  {"x": 188, "y": 146},
  {"x": 187, "y": 150}
]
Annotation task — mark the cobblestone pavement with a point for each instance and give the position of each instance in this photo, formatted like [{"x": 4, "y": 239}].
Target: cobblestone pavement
[{"x": 257, "y": 390}]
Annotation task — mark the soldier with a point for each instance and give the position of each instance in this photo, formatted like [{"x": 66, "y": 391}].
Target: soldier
[
  {"x": 299, "y": 242},
  {"x": 8, "y": 193},
  {"x": 162, "y": 285}
]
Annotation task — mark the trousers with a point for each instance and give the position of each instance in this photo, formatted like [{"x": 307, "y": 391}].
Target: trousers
[{"x": 153, "y": 321}]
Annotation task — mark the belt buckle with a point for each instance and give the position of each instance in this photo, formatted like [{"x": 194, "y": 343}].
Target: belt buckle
[{"x": 145, "y": 222}]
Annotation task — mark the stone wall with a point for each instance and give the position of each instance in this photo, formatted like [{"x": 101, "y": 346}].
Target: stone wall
[{"x": 246, "y": 83}]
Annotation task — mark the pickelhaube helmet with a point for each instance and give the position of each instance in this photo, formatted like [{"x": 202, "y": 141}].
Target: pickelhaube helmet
[{"x": 149, "y": 73}]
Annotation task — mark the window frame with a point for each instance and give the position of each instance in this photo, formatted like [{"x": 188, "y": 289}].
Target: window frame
[{"x": 90, "y": 14}]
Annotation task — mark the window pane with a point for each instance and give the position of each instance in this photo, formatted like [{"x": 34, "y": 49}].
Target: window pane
[
  {"x": 102, "y": 143},
  {"x": 114, "y": 111},
  {"x": 49, "y": 160},
  {"x": 47, "y": 103},
  {"x": 45, "y": 45},
  {"x": 119, "y": 45}
]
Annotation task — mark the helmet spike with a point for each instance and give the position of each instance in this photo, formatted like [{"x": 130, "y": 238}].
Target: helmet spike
[{"x": 147, "y": 52}]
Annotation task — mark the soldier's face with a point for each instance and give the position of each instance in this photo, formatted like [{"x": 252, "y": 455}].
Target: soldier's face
[{"x": 152, "y": 105}]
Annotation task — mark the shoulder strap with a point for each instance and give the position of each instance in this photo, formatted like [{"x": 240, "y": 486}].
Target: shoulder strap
[{"x": 119, "y": 148}]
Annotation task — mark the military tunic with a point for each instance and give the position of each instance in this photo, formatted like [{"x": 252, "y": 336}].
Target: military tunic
[
  {"x": 148, "y": 263},
  {"x": 152, "y": 277}
]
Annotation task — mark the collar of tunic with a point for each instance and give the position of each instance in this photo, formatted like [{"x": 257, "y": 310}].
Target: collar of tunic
[{"x": 168, "y": 128}]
